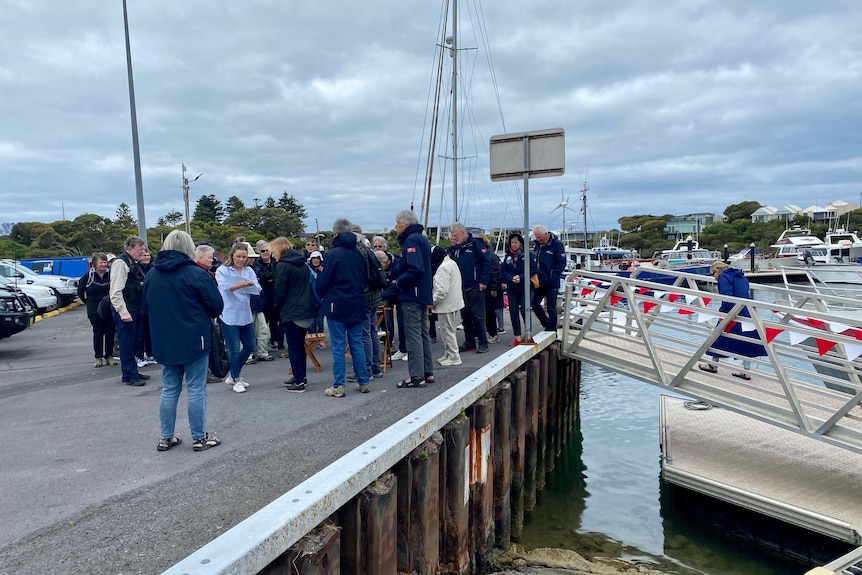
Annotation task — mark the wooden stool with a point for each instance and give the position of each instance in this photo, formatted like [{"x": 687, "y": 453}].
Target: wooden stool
[
  {"x": 382, "y": 329},
  {"x": 311, "y": 341}
]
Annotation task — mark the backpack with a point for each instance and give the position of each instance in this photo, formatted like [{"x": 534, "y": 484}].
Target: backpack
[{"x": 376, "y": 277}]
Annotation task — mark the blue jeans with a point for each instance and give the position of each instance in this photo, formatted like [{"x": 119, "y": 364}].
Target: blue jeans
[
  {"x": 130, "y": 333},
  {"x": 371, "y": 342},
  {"x": 296, "y": 349},
  {"x": 196, "y": 386},
  {"x": 233, "y": 336},
  {"x": 340, "y": 334}
]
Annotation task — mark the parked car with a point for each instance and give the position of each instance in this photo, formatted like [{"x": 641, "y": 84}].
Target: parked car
[
  {"x": 67, "y": 287},
  {"x": 41, "y": 298},
  {"x": 15, "y": 313}
]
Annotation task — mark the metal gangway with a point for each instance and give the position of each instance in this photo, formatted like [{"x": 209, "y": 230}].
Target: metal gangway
[{"x": 808, "y": 381}]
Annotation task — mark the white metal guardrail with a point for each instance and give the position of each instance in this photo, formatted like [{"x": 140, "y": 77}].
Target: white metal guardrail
[{"x": 808, "y": 382}]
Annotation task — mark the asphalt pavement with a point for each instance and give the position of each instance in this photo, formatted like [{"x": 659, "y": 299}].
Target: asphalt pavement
[{"x": 83, "y": 489}]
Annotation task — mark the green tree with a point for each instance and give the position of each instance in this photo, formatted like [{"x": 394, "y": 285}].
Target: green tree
[
  {"x": 741, "y": 211},
  {"x": 269, "y": 203},
  {"x": 268, "y": 222},
  {"x": 125, "y": 219},
  {"x": 234, "y": 204},
  {"x": 208, "y": 209},
  {"x": 171, "y": 219},
  {"x": 292, "y": 206}
]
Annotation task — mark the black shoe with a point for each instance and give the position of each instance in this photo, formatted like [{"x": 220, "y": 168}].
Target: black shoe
[
  {"x": 467, "y": 347},
  {"x": 135, "y": 382},
  {"x": 292, "y": 381},
  {"x": 295, "y": 387},
  {"x": 143, "y": 376},
  {"x": 483, "y": 348}
]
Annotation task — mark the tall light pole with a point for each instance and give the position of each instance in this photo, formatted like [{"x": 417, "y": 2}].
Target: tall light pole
[
  {"x": 136, "y": 151},
  {"x": 186, "y": 197}
]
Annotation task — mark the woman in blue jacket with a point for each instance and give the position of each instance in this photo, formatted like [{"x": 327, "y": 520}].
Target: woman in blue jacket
[{"x": 180, "y": 299}]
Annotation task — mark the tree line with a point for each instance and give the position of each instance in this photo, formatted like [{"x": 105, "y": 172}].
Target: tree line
[
  {"x": 214, "y": 222},
  {"x": 221, "y": 223}
]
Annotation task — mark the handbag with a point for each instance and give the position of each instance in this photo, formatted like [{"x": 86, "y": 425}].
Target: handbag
[
  {"x": 534, "y": 279},
  {"x": 219, "y": 363}
]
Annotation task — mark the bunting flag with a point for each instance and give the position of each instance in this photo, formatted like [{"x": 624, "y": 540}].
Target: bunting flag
[
  {"x": 746, "y": 326},
  {"x": 824, "y": 345},
  {"x": 772, "y": 333},
  {"x": 836, "y": 327},
  {"x": 704, "y": 316},
  {"x": 648, "y": 305},
  {"x": 852, "y": 350},
  {"x": 615, "y": 299},
  {"x": 659, "y": 294},
  {"x": 729, "y": 326},
  {"x": 690, "y": 299},
  {"x": 705, "y": 300},
  {"x": 665, "y": 308},
  {"x": 586, "y": 291},
  {"x": 797, "y": 338},
  {"x": 673, "y": 296},
  {"x": 685, "y": 311}
]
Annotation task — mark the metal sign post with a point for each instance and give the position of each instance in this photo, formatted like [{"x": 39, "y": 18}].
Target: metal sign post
[{"x": 537, "y": 154}]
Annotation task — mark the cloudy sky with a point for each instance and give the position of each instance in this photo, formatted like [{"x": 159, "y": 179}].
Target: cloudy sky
[{"x": 677, "y": 107}]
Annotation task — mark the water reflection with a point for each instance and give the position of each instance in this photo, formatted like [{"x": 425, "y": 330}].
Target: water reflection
[{"x": 604, "y": 497}]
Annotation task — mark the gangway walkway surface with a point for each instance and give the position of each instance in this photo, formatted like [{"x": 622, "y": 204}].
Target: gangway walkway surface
[{"x": 809, "y": 381}]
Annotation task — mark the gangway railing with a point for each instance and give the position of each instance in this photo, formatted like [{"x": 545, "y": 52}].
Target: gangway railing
[{"x": 808, "y": 381}]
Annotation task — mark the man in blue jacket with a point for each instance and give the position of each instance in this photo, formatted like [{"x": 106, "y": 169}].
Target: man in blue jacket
[
  {"x": 471, "y": 255},
  {"x": 180, "y": 299},
  {"x": 549, "y": 259},
  {"x": 341, "y": 287},
  {"x": 413, "y": 287}
]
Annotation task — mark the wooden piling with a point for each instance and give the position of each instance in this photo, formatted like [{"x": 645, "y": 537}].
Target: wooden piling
[
  {"x": 318, "y": 553},
  {"x": 481, "y": 416},
  {"x": 418, "y": 512},
  {"x": 378, "y": 504},
  {"x": 517, "y": 437},
  {"x": 531, "y": 435},
  {"x": 554, "y": 413},
  {"x": 503, "y": 465},
  {"x": 542, "y": 433},
  {"x": 455, "y": 489}
]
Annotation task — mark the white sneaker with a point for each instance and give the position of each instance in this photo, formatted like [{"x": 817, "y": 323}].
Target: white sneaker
[
  {"x": 239, "y": 387},
  {"x": 495, "y": 339},
  {"x": 404, "y": 358},
  {"x": 440, "y": 359},
  {"x": 243, "y": 382},
  {"x": 399, "y": 355},
  {"x": 229, "y": 380},
  {"x": 141, "y": 362},
  {"x": 447, "y": 361}
]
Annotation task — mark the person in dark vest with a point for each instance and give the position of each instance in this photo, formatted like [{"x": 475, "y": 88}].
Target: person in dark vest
[
  {"x": 549, "y": 261},
  {"x": 127, "y": 280}
]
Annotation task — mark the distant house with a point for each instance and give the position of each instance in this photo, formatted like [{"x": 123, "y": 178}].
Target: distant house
[
  {"x": 770, "y": 214},
  {"x": 691, "y": 224},
  {"x": 827, "y": 213}
]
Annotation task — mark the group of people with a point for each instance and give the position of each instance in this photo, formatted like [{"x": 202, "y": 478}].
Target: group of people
[{"x": 270, "y": 297}]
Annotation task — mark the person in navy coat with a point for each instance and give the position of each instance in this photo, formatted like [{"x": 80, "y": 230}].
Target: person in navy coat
[
  {"x": 341, "y": 287},
  {"x": 180, "y": 300}
]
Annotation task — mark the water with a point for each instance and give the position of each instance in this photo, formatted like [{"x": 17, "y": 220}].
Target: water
[{"x": 603, "y": 499}]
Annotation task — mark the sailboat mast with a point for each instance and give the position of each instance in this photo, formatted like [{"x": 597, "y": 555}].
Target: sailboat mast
[
  {"x": 584, "y": 208},
  {"x": 454, "y": 53}
]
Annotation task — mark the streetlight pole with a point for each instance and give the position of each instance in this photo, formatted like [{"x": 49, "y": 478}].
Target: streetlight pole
[
  {"x": 136, "y": 151},
  {"x": 186, "y": 197}
]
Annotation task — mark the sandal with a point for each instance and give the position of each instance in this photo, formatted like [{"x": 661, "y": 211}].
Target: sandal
[
  {"x": 707, "y": 367},
  {"x": 205, "y": 442},
  {"x": 429, "y": 378},
  {"x": 166, "y": 443},
  {"x": 411, "y": 382},
  {"x": 741, "y": 375}
]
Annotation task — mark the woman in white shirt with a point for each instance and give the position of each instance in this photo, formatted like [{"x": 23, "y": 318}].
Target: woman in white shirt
[{"x": 236, "y": 284}]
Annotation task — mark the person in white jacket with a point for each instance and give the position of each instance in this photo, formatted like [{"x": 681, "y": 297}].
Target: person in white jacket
[{"x": 448, "y": 302}]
